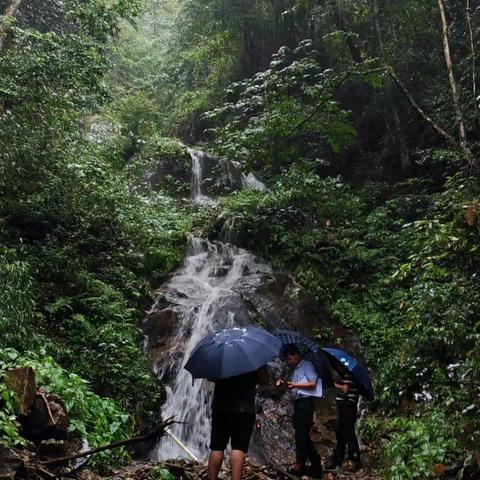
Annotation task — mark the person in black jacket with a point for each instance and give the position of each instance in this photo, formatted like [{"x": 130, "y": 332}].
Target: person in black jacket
[{"x": 233, "y": 418}]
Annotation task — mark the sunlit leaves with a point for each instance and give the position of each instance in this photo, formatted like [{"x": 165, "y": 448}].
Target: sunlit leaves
[{"x": 286, "y": 112}]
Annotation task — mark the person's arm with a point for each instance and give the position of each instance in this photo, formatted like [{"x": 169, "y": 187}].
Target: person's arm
[
  {"x": 341, "y": 387},
  {"x": 307, "y": 385},
  {"x": 310, "y": 375}
]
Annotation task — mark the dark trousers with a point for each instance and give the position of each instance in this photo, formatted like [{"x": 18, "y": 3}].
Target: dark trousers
[
  {"x": 303, "y": 409},
  {"x": 345, "y": 431}
]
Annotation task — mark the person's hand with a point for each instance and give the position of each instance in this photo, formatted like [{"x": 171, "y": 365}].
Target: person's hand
[
  {"x": 290, "y": 385},
  {"x": 280, "y": 383},
  {"x": 342, "y": 388}
]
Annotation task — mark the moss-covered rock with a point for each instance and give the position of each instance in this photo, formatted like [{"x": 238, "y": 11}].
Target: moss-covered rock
[{"x": 164, "y": 164}]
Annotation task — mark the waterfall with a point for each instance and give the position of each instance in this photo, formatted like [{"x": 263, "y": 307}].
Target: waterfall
[
  {"x": 208, "y": 290},
  {"x": 197, "y": 177},
  {"x": 252, "y": 182},
  {"x": 209, "y": 285}
]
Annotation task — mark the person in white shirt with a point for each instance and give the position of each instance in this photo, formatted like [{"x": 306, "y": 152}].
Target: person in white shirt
[{"x": 305, "y": 385}]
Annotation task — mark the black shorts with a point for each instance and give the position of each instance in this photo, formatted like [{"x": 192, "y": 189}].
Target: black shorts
[{"x": 236, "y": 427}]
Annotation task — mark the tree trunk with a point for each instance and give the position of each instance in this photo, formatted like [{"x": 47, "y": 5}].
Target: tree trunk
[
  {"x": 378, "y": 31},
  {"x": 352, "y": 47},
  {"x": 10, "y": 11},
  {"x": 405, "y": 160},
  {"x": 474, "y": 58},
  {"x": 451, "y": 77}
]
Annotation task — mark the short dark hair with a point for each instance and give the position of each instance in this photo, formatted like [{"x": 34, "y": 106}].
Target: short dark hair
[{"x": 290, "y": 349}]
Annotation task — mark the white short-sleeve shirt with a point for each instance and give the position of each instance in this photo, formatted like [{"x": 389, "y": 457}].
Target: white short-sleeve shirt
[{"x": 305, "y": 372}]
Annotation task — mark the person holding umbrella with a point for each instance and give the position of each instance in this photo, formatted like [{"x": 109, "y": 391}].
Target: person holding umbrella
[
  {"x": 235, "y": 360},
  {"x": 233, "y": 418},
  {"x": 305, "y": 385},
  {"x": 347, "y": 400},
  {"x": 352, "y": 380}
]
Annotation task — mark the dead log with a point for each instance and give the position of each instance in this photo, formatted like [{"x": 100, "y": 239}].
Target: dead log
[{"x": 157, "y": 433}]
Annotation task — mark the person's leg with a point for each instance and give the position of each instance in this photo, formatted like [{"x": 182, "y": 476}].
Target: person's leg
[
  {"x": 215, "y": 460},
  {"x": 339, "y": 452},
  {"x": 237, "y": 459},
  {"x": 302, "y": 424},
  {"x": 313, "y": 456},
  {"x": 351, "y": 436},
  {"x": 316, "y": 469},
  {"x": 218, "y": 443},
  {"x": 242, "y": 427}
]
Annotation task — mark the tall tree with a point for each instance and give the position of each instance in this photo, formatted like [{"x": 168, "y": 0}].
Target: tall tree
[{"x": 451, "y": 76}]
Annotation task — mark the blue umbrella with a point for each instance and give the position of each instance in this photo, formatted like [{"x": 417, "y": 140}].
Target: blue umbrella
[
  {"x": 358, "y": 371},
  {"x": 311, "y": 351},
  {"x": 231, "y": 352}
]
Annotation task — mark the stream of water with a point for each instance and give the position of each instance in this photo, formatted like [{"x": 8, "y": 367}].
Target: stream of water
[{"x": 208, "y": 287}]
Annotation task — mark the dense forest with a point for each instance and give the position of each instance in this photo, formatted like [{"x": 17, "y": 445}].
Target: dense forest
[{"x": 360, "y": 117}]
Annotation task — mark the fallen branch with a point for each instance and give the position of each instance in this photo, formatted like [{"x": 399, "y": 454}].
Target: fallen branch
[
  {"x": 389, "y": 71},
  {"x": 158, "y": 432},
  {"x": 47, "y": 405},
  {"x": 450, "y": 139}
]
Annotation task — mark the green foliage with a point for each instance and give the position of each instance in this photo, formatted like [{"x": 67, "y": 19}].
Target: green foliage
[
  {"x": 417, "y": 445},
  {"x": 396, "y": 265},
  {"x": 160, "y": 473},
  {"x": 97, "y": 419},
  {"x": 17, "y": 301},
  {"x": 283, "y": 114},
  {"x": 9, "y": 427},
  {"x": 162, "y": 164},
  {"x": 81, "y": 245}
]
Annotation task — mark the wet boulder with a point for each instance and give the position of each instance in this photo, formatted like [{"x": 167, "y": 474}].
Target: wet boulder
[
  {"x": 164, "y": 164},
  {"x": 48, "y": 418}
]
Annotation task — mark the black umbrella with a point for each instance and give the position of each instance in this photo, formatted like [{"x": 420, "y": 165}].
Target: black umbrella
[
  {"x": 358, "y": 371},
  {"x": 231, "y": 352},
  {"x": 311, "y": 351}
]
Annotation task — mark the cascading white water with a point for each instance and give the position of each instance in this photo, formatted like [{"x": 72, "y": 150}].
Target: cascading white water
[
  {"x": 208, "y": 286},
  {"x": 250, "y": 181},
  {"x": 197, "y": 171}
]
